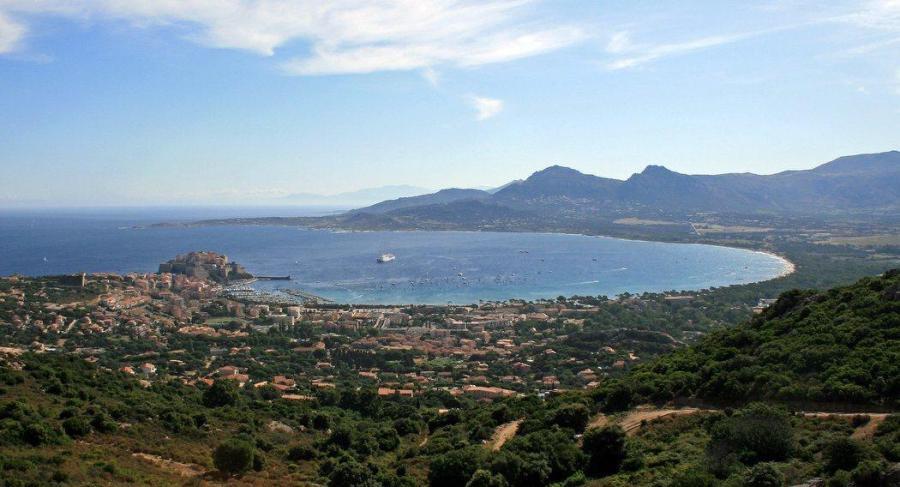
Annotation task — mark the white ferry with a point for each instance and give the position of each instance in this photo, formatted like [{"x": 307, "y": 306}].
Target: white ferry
[{"x": 385, "y": 258}]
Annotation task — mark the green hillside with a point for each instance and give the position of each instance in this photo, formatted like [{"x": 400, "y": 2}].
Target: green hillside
[
  {"x": 840, "y": 346},
  {"x": 66, "y": 421}
]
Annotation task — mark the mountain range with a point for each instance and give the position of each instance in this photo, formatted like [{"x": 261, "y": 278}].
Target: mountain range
[{"x": 859, "y": 183}]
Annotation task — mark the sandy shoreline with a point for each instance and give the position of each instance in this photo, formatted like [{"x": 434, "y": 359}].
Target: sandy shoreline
[{"x": 789, "y": 266}]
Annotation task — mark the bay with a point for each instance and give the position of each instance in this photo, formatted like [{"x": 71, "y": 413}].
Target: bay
[{"x": 430, "y": 267}]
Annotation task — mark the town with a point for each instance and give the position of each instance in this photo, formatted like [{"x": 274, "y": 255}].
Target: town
[{"x": 183, "y": 324}]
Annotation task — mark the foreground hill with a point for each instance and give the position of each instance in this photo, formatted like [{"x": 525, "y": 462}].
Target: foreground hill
[
  {"x": 65, "y": 418},
  {"x": 867, "y": 182},
  {"x": 839, "y": 348}
]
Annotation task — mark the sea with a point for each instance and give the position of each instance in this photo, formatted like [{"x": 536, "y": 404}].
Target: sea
[{"x": 429, "y": 268}]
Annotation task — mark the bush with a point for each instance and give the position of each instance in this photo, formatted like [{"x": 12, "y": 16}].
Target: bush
[
  {"x": 869, "y": 473},
  {"x": 573, "y": 416},
  {"x": 76, "y": 427},
  {"x": 39, "y": 433},
  {"x": 221, "y": 393},
  {"x": 406, "y": 426},
  {"x": 758, "y": 433},
  {"x": 104, "y": 424},
  {"x": 299, "y": 453},
  {"x": 347, "y": 472},
  {"x": 484, "y": 478},
  {"x": 456, "y": 467},
  {"x": 233, "y": 456},
  {"x": 605, "y": 448},
  {"x": 387, "y": 439},
  {"x": 763, "y": 475},
  {"x": 842, "y": 454},
  {"x": 841, "y": 478},
  {"x": 576, "y": 480},
  {"x": 860, "y": 419},
  {"x": 523, "y": 468},
  {"x": 694, "y": 477}
]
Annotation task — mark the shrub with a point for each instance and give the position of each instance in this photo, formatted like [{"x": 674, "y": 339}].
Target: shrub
[
  {"x": 387, "y": 439},
  {"x": 576, "y": 480},
  {"x": 694, "y": 477},
  {"x": 573, "y": 416},
  {"x": 76, "y": 427},
  {"x": 869, "y": 473},
  {"x": 605, "y": 448},
  {"x": 456, "y": 467},
  {"x": 406, "y": 426},
  {"x": 221, "y": 393},
  {"x": 758, "y": 433},
  {"x": 233, "y": 456},
  {"x": 841, "y": 478},
  {"x": 860, "y": 419},
  {"x": 484, "y": 478},
  {"x": 763, "y": 475},
  {"x": 842, "y": 454},
  {"x": 523, "y": 468},
  {"x": 103, "y": 423},
  {"x": 347, "y": 472},
  {"x": 299, "y": 453},
  {"x": 39, "y": 433}
]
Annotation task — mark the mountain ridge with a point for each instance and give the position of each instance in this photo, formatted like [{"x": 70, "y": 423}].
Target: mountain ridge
[{"x": 851, "y": 183}]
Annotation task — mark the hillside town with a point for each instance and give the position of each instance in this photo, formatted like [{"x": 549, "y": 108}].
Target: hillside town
[{"x": 182, "y": 324}]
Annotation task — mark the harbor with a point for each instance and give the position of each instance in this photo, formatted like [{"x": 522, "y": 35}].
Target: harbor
[{"x": 244, "y": 291}]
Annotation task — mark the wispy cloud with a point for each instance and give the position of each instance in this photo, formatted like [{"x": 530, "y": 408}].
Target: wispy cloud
[
  {"x": 11, "y": 34},
  {"x": 342, "y": 36},
  {"x": 875, "y": 14},
  {"x": 485, "y": 108},
  {"x": 629, "y": 55}
]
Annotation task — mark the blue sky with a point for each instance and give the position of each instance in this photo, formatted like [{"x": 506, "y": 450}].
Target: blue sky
[{"x": 122, "y": 102}]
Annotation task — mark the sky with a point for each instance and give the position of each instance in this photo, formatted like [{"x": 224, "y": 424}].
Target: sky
[{"x": 169, "y": 102}]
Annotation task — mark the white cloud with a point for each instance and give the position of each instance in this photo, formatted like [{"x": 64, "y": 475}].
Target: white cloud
[
  {"x": 485, "y": 108},
  {"x": 630, "y": 55},
  {"x": 618, "y": 43},
  {"x": 11, "y": 34},
  {"x": 876, "y": 14},
  {"x": 343, "y": 36}
]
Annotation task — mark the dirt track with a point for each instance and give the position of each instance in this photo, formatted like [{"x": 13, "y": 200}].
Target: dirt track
[
  {"x": 183, "y": 469},
  {"x": 503, "y": 433},
  {"x": 631, "y": 422}
]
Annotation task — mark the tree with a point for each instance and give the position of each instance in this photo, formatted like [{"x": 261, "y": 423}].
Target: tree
[
  {"x": 350, "y": 473},
  {"x": 522, "y": 468},
  {"x": 694, "y": 477},
  {"x": 605, "y": 448},
  {"x": 573, "y": 416},
  {"x": 842, "y": 454},
  {"x": 233, "y": 456},
  {"x": 763, "y": 475},
  {"x": 456, "y": 467},
  {"x": 221, "y": 393},
  {"x": 76, "y": 426},
  {"x": 484, "y": 478},
  {"x": 869, "y": 473},
  {"x": 757, "y": 433}
]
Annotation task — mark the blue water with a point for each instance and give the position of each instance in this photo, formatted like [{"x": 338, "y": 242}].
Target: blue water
[{"x": 431, "y": 267}]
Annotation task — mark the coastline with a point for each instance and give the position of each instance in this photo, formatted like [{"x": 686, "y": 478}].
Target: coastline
[{"x": 760, "y": 273}]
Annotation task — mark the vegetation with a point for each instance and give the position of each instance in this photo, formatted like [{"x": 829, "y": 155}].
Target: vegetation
[
  {"x": 838, "y": 346},
  {"x": 66, "y": 420}
]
